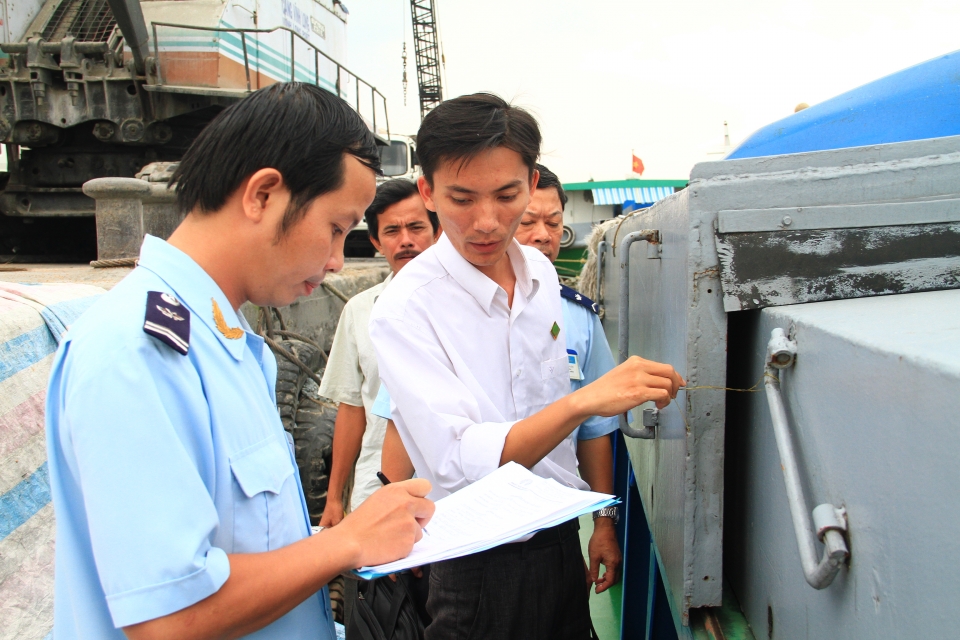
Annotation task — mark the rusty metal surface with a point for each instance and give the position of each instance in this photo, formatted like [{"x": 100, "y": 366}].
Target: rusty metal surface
[
  {"x": 774, "y": 268},
  {"x": 837, "y": 224}
]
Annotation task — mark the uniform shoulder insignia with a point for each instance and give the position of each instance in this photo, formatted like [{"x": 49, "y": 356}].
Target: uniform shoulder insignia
[
  {"x": 168, "y": 321},
  {"x": 579, "y": 298}
]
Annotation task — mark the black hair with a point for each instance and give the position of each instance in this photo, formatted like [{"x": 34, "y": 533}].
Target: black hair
[
  {"x": 298, "y": 129},
  {"x": 388, "y": 194},
  {"x": 549, "y": 179},
  {"x": 461, "y": 128}
]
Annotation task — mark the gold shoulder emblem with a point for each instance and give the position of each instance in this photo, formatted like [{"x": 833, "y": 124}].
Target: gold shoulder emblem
[{"x": 232, "y": 333}]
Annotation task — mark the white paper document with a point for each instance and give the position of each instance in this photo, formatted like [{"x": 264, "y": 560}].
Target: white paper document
[{"x": 503, "y": 507}]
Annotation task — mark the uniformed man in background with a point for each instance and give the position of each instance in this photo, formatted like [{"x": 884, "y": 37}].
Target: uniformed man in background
[{"x": 178, "y": 504}]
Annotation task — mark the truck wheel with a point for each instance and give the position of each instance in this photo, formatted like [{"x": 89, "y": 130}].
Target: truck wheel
[
  {"x": 336, "y": 598},
  {"x": 309, "y": 419},
  {"x": 313, "y": 440}
]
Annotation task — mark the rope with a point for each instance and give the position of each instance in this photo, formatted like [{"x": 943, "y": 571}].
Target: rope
[
  {"x": 292, "y": 358},
  {"x": 328, "y": 405},
  {"x": 118, "y": 262},
  {"x": 613, "y": 246},
  {"x": 283, "y": 325},
  {"x": 332, "y": 289},
  {"x": 303, "y": 338}
]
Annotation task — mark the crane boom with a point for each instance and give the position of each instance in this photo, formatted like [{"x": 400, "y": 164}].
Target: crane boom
[{"x": 426, "y": 46}]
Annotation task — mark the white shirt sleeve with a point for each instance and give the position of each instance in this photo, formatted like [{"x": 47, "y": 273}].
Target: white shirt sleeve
[
  {"x": 437, "y": 414},
  {"x": 342, "y": 378}
]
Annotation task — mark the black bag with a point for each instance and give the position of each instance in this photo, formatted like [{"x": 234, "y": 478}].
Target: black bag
[{"x": 385, "y": 610}]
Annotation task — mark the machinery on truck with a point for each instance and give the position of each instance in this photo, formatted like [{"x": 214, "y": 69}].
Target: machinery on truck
[
  {"x": 104, "y": 88},
  {"x": 808, "y": 288}
]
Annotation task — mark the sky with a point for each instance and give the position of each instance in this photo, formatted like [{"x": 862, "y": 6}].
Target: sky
[{"x": 606, "y": 78}]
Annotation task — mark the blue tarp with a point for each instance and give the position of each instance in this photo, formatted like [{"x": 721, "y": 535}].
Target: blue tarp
[{"x": 914, "y": 104}]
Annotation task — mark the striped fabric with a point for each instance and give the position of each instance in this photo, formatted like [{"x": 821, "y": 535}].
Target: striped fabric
[
  {"x": 640, "y": 195},
  {"x": 33, "y": 319}
]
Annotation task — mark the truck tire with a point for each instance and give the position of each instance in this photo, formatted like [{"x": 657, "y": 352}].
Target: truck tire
[
  {"x": 313, "y": 440},
  {"x": 336, "y": 587},
  {"x": 309, "y": 419}
]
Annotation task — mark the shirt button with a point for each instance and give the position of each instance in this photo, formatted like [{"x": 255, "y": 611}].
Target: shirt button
[{"x": 519, "y": 371}]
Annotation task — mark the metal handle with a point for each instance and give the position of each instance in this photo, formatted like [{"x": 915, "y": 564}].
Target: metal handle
[
  {"x": 649, "y": 431},
  {"x": 829, "y": 521}
]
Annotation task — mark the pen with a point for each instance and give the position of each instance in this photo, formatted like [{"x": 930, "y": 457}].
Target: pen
[{"x": 385, "y": 481}]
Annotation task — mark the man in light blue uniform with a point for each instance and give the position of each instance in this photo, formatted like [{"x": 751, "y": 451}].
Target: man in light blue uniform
[
  {"x": 178, "y": 503},
  {"x": 589, "y": 359}
]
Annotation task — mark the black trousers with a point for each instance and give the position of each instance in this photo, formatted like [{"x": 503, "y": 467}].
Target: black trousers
[{"x": 528, "y": 591}]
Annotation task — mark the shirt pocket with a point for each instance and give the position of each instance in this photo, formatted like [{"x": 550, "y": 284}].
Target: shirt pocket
[
  {"x": 554, "y": 368},
  {"x": 265, "y": 516}
]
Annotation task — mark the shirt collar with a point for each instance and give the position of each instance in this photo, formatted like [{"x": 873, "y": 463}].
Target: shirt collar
[
  {"x": 383, "y": 285},
  {"x": 195, "y": 288},
  {"x": 482, "y": 288}
]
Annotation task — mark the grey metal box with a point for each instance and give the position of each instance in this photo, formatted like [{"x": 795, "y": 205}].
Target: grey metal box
[
  {"x": 873, "y": 404},
  {"x": 680, "y": 296}
]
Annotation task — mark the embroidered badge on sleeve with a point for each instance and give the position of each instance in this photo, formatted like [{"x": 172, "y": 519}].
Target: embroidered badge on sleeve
[{"x": 168, "y": 321}]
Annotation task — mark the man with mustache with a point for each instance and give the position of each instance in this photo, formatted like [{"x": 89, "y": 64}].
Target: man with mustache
[
  {"x": 470, "y": 346},
  {"x": 400, "y": 228}
]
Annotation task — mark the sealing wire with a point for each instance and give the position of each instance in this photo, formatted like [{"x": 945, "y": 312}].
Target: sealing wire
[{"x": 753, "y": 389}]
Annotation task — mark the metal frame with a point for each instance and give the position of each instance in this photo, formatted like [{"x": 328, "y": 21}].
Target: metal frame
[
  {"x": 426, "y": 47},
  {"x": 829, "y": 521},
  {"x": 649, "y": 430},
  {"x": 374, "y": 92},
  {"x": 844, "y": 216}
]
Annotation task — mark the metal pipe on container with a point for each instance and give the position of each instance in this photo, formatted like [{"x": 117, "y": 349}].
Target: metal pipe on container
[
  {"x": 830, "y": 521},
  {"x": 623, "y": 337}
]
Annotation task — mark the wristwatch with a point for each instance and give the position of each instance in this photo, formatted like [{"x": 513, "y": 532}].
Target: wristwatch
[{"x": 608, "y": 512}]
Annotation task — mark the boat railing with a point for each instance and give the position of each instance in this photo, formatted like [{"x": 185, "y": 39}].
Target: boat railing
[{"x": 346, "y": 82}]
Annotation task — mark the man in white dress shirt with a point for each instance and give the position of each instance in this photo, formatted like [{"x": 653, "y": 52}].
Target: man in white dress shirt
[{"x": 471, "y": 347}]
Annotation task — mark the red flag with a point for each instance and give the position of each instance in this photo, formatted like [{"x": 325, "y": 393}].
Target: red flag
[{"x": 637, "y": 166}]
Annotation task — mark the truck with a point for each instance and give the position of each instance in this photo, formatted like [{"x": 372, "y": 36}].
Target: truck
[
  {"x": 106, "y": 88},
  {"x": 808, "y": 288}
]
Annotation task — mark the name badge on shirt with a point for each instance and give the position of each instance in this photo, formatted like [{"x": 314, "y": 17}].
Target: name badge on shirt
[{"x": 574, "y": 364}]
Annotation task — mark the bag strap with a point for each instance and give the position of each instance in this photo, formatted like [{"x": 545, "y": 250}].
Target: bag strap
[
  {"x": 399, "y": 596},
  {"x": 364, "y": 624}
]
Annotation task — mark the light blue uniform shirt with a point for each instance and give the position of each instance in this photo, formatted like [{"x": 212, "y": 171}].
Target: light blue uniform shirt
[
  {"x": 161, "y": 464},
  {"x": 585, "y": 337}
]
